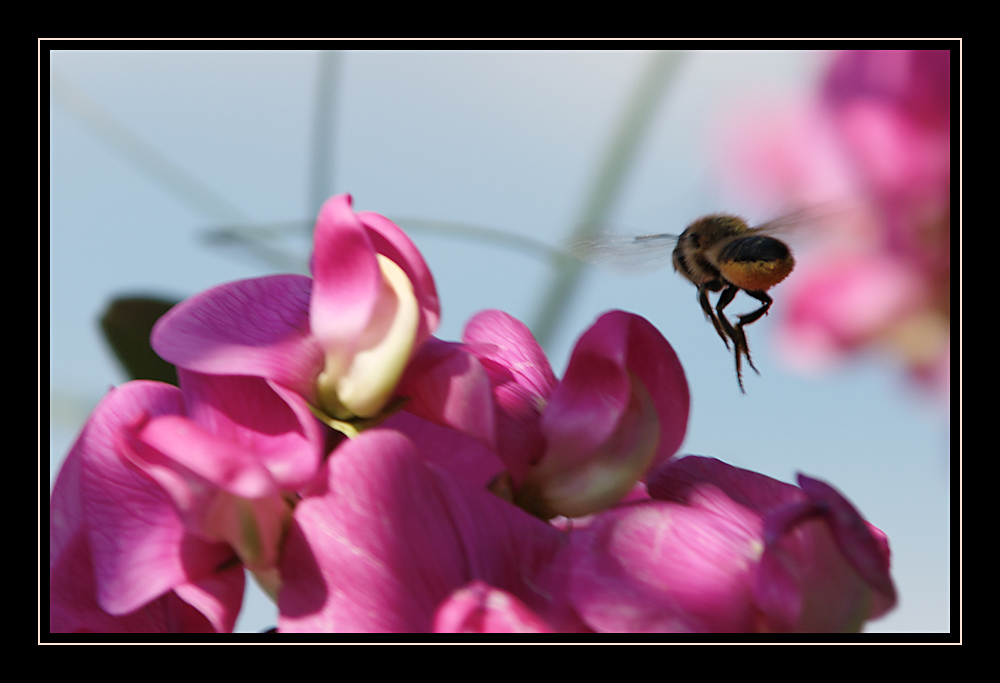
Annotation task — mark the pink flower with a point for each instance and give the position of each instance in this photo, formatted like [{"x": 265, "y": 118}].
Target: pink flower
[
  {"x": 843, "y": 304},
  {"x": 385, "y": 542},
  {"x": 342, "y": 340},
  {"x": 480, "y": 608},
  {"x": 720, "y": 549},
  {"x": 162, "y": 496},
  {"x": 579, "y": 445},
  {"x": 433, "y": 517},
  {"x": 879, "y": 141},
  {"x": 891, "y": 110}
]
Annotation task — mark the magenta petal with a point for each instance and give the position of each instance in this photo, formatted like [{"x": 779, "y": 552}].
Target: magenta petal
[
  {"x": 662, "y": 567},
  {"x": 137, "y": 542},
  {"x": 218, "y": 596},
  {"x": 262, "y": 418},
  {"x": 822, "y": 567},
  {"x": 448, "y": 449},
  {"x": 585, "y": 408},
  {"x": 510, "y": 354},
  {"x": 347, "y": 278},
  {"x": 480, "y": 608},
  {"x": 678, "y": 480},
  {"x": 522, "y": 381},
  {"x": 73, "y": 607},
  {"x": 805, "y": 583},
  {"x": 216, "y": 460},
  {"x": 66, "y": 521},
  {"x": 141, "y": 548},
  {"x": 257, "y": 327},
  {"x": 778, "y": 593},
  {"x": 654, "y": 362},
  {"x": 221, "y": 491},
  {"x": 853, "y": 536},
  {"x": 389, "y": 240},
  {"x": 445, "y": 384},
  {"x": 341, "y": 573}
]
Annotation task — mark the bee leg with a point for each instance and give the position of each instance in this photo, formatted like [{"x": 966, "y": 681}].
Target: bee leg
[
  {"x": 703, "y": 290},
  {"x": 734, "y": 333},
  {"x": 742, "y": 349},
  {"x": 754, "y": 316},
  {"x": 762, "y": 297}
]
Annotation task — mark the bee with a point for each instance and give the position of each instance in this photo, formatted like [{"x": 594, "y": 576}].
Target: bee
[{"x": 717, "y": 253}]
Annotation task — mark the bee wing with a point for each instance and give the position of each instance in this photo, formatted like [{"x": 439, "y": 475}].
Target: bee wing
[
  {"x": 786, "y": 223},
  {"x": 811, "y": 220},
  {"x": 625, "y": 252}
]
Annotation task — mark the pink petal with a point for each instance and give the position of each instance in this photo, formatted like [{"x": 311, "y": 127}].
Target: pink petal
[
  {"x": 805, "y": 583},
  {"x": 73, "y": 607},
  {"x": 522, "y": 381},
  {"x": 216, "y": 461},
  {"x": 347, "y": 279},
  {"x": 218, "y": 482},
  {"x": 66, "y": 521},
  {"x": 445, "y": 384},
  {"x": 661, "y": 567},
  {"x": 822, "y": 568},
  {"x": 509, "y": 353},
  {"x": 654, "y": 362},
  {"x": 257, "y": 327},
  {"x": 898, "y": 157},
  {"x": 389, "y": 240},
  {"x": 218, "y": 597},
  {"x": 584, "y": 410},
  {"x": 137, "y": 542},
  {"x": 273, "y": 423},
  {"x": 867, "y": 553},
  {"x": 915, "y": 81},
  {"x": 448, "y": 449},
  {"x": 480, "y": 608},
  {"x": 341, "y": 573},
  {"x": 678, "y": 480},
  {"x": 845, "y": 302}
]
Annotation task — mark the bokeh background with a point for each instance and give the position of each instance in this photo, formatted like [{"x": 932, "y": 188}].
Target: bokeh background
[{"x": 173, "y": 171}]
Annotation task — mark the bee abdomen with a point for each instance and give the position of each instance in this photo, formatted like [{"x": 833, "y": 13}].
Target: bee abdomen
[
  {"x": 755, "y": 248},
  {"x": 756, "y": 262}
]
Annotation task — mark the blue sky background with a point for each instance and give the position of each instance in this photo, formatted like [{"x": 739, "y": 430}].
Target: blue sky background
[{"x": 151, "y": 151}]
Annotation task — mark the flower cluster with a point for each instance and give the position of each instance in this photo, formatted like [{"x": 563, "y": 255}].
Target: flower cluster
[
  {"x": 878, "y": 140},
  {"x": 374, "y": 478}
]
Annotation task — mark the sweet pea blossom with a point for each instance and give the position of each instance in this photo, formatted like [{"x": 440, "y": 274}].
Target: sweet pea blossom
[
  {"x": 113, "y": 570},
  {"x": 579, "y": 445},
  {"x": 481, "y": 608},
  {"x": 387, "y": 541},
  {"x": 437, "y": 515},
  {"x": 340, "y": 340},
  {"x": 165, "y": 496},
  {"x": 384, "y": 541},
  {"x": 720, "y": 549}
]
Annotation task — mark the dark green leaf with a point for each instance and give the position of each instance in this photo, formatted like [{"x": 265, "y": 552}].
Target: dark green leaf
[{"x": 126, "y": 325}]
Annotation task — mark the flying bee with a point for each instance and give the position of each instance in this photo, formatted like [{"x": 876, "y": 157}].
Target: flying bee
[{"x": 718, "y": 252}]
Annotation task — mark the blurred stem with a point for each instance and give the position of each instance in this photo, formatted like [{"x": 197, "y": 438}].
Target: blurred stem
[
  {"x": 256, "y": 238},
  {"x": 162, "y": 170},
  {"x": 321, "y": 177},
  {"x": 610, "y": 178},
  {"x": 482, "y": 234}
]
